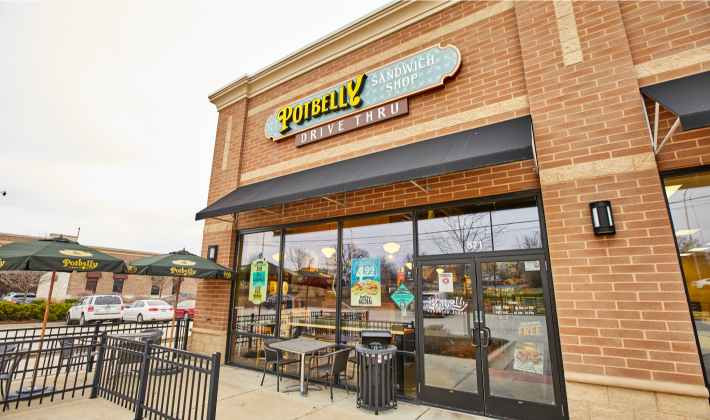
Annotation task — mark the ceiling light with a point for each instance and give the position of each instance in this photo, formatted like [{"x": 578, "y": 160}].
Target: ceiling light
[
  {"x": 276, "y": 257},
  {"x": 671, "y": 189},
  {"x": 686, "y": 232},
  {"x": 697, "y": 249},
  {"x": 439, "y": 270},
  {"x": 328, "y": 252},
  {"x": 685, "y": 255},
  {"x": 391, "y": 247},
  {"x": 390, "y": 256},
  {"x": 409, "y": 265}
]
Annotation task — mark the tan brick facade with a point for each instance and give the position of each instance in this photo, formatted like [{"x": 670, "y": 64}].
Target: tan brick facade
[{"x": 576, "y": 68}]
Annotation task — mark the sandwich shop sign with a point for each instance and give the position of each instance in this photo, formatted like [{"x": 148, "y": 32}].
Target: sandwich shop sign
[{"x": 369, "y": 98}]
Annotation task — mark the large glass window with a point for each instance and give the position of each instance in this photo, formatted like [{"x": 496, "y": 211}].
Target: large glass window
[
  {"x": 378, "y": 285},
  {"x": 689, "y": 202},
  {"x": 495, "y": 226},
  {"x": 254, "y": 313}
]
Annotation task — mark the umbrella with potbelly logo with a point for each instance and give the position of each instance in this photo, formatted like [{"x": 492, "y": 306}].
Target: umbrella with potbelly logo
[
  {"x": 180, "y": 264},
  {"x": 55, "y": 254}
]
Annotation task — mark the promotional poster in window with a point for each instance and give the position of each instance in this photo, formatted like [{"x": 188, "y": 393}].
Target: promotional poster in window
[{"x": 365, "y": 289}]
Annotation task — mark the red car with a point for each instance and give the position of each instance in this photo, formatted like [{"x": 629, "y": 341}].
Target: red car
[{"x": 185, "y": 309}]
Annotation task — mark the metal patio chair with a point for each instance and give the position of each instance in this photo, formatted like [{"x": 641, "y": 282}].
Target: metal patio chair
[
  {"x": 9, "y": 362},
  {"x": 337, "y": 364},
  {"x": 274, "y": 356}
]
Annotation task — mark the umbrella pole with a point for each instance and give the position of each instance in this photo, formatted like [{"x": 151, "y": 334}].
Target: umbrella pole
[
  {"x": 44, "y": 327},
  {"x": 177, "y": 296}
]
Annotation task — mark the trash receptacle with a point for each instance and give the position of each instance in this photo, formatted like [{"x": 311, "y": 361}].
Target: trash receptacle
[{"x": 376, "y": 377}]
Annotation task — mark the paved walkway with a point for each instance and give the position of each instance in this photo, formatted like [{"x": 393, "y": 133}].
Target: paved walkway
[{"x": 241, "y": 396}]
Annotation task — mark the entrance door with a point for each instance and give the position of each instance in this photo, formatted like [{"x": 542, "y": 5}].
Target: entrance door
[
  {"x": 499, "y": 308},
  {"x": 451, "y": 364}
]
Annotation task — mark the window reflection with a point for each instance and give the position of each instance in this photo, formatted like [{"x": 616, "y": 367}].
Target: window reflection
[
  {"x": 252, "y": 312},
  {"x": 483, "y": 227},
  {"x": 378, "y": 285},
  {"x": 689, "y": 199}
]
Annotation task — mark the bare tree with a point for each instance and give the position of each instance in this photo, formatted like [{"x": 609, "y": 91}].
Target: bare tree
[
  {"x": 529, "y": 240},
  {"x": 162, "y": 283},
  {"x": 299, "y": 257},
  {"x": 23, "y": 280},
  {"x": 463, "y": 233}
]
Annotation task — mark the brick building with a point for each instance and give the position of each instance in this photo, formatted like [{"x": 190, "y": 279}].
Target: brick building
[
  {"x": 74, "y": 284},
  {"x": 463, "y": 225}
]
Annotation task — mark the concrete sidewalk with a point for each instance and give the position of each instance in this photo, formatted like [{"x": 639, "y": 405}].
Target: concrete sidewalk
[{"x": 241, "y": 396}]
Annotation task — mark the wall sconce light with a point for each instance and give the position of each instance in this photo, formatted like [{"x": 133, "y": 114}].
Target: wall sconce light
[
  {"x": 276, "y": 257},
  {"x": 212, "y": 253},
  {"x": 602, "y": 218}
]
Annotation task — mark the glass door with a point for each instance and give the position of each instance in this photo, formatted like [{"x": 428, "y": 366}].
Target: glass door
[
  {"x": 519, "y": 360},
  {"x": 451, "y": 365}
]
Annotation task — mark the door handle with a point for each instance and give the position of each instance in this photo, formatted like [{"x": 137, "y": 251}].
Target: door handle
[
  {"x": 473, "y": 336},
  {"x": 487, "y": 336}
]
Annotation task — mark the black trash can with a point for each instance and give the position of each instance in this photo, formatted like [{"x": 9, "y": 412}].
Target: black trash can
[{"x": 376, "y": 377}]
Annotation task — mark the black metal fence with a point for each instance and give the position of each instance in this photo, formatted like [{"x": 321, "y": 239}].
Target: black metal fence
[
  {"x": 180, "y": 335},
  {"x": 129, "y": 368},
  {"x": 156, "y": 381}
]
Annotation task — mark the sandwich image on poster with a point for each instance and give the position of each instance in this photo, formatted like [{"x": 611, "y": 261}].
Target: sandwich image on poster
[
  {"x": 365, "y": 287},
  {"x": 528, "y": 358}
]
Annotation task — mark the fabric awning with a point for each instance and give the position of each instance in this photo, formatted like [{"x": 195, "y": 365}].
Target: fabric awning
[
  {"x": 688, "y": 98},
  {"x": 495, "y": 144}
]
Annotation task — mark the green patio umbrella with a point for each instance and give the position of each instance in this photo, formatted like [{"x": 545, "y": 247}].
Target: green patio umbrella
[
  {"x": 180, "y": 264},
  {"x": 55, "y": 254}
]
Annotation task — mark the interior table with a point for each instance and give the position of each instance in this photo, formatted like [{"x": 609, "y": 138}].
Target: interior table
[{"x": 302, "y": 347}]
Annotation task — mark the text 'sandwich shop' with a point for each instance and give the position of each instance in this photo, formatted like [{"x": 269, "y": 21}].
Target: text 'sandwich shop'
[{"x": 513, "y": 191}]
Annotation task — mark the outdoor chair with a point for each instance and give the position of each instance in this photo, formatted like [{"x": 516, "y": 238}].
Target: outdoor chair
[
  {"x": 67, "y": 355},
  {"x": 337, "y": 364},
  {"x": 9, "y": 362},
  {"x": 274, "y": 356}
]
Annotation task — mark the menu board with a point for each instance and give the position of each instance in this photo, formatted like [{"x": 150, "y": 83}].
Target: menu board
[
  {"x": 365, "y": 282},
  {"x": 257, "y": 281}
]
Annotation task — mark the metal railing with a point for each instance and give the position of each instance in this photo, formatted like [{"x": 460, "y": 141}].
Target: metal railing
[
  {"x": 180, "y": 335},
  {"x": 156, "y": 381},
  {"x": 40, "y": 369}
]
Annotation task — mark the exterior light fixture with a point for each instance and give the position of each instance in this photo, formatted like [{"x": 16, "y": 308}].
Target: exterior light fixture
[
  {"x": 602, "y": 218},
  {"x": 391, "y": 247},
  {"x": 328, "y": 252},
  {"x": 212, "y": 252}
]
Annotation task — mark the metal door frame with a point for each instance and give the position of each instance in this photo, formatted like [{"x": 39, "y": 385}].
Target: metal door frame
[{"x": 477, "y": 405}]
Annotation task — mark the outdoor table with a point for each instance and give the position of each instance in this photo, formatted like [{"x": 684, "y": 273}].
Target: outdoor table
[{"x": 302, "y": 347}]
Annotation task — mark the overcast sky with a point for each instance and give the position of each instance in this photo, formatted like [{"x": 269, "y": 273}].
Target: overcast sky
[{"x": 104, "y": 117}]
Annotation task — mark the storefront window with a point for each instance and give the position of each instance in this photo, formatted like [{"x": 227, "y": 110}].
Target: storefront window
[
  {"x": 688, "y": 200},
  {"x": 254, "y": 315},
  {"x": 378, "y": 286},
  {"x": 493, "y": 226}
]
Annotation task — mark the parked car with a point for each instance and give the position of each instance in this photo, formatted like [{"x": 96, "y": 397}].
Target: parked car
[
  {"x": 288, "y": 300},
  {"x": 148, "y": 310},
  {"x": 17, "y": 298},
  {"x": 702, "y": 284},
  {"x": 185, "y": 309},
  {"x": 96, "y": 308}
]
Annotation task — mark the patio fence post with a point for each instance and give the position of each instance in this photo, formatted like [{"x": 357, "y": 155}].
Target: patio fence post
[
  {"x": 143, "y": 384},
  {"x": 177, "y": 332},
  {"x": 99, "y": 367},
  {"x": 184, "y": 333},
  {"x": 214, "y": 386}
]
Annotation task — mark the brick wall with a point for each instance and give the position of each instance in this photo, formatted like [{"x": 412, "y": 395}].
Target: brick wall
[{"x": 621, "y": 303}]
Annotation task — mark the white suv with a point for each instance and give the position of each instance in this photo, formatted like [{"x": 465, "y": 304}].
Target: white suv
[{"x": 96, "y": 308}]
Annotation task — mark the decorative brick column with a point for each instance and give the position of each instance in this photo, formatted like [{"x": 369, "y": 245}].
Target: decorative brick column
[
  {"x": 626, "y": 335},
  {"x": 210, "y": 327}
]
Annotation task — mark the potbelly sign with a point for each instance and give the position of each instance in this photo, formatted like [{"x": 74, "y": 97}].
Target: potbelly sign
[{"x": 408, "y": 76}]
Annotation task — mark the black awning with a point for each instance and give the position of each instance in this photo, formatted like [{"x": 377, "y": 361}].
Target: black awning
[
  {"x": 688, "y": 98},
  {"x": 504, "y": 142}
]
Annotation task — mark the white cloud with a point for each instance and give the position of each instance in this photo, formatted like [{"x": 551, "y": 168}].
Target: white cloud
[{"x": 104, "y": 117}]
